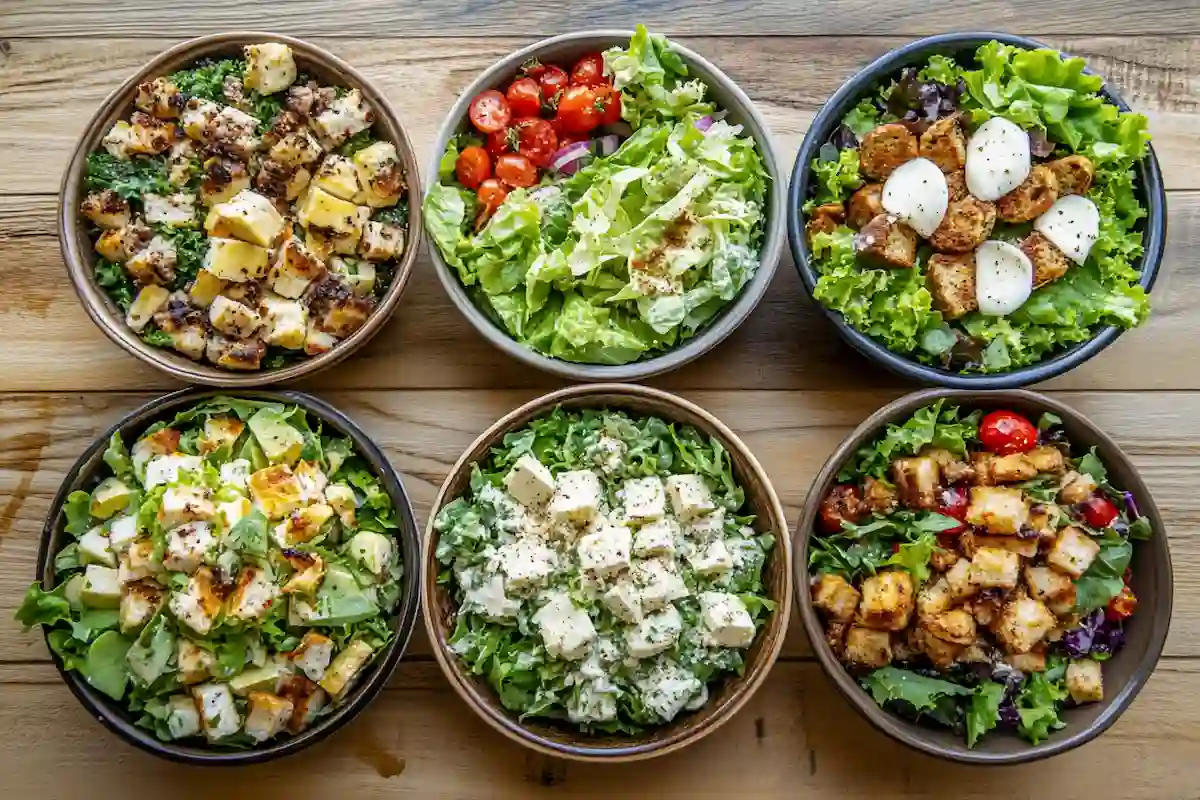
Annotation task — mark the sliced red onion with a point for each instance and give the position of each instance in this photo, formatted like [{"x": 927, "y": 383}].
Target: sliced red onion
[
  {"x": 567, "y": 159},
  {"x": 1131, "y": 506},
  {"x": 608, "y": 144},
  {"x": 704, "y": 123}
]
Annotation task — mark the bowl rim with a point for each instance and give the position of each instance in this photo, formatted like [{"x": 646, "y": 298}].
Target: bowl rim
[
  {"x": 716, "y": 330},
  {"x": 79, "y": 261},
  {"x": 108, "y": 711},
  {"x": 512, "y": 728},
  {"x": 1153, "y": 235},
  {"x": 884, "y": 721}
]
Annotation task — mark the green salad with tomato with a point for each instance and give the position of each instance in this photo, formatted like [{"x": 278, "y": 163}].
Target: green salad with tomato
[
  {"x": 603, "y": 215},
  {"x": 972, "y": 570}
]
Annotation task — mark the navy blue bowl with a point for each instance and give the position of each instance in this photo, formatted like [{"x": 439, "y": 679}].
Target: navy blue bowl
[{"x": 962, "y": 45}]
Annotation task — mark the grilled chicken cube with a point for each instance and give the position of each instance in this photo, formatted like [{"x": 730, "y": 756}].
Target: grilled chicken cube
[
  {"x": 1001, "y": 510},
  {"x": 1012, "y": 468},
  {"x": 233, "y": 318},
  {"x": 159, "y": 97},
  {"x": 313, "y": 654},
  {"x": 824, "y": 219},
  {"x": 190, "y": 339},
  {"x": 952, "y": 284},
  {"x": 140, "y": 600},
  {"x": 269, "y": 715},
  {"x": 945, "y": 144},
  {"x": 992, "y": 567},
  {"x": 234, "y": 132},
  {"x": 223, "y": 178},
  {"x": 1076, "y": 487},
  {"x": 381, "y": 242},
  {"x": 942, "y": 559},
  {"x": 199, "y": 118},
  {"x": 887, "y": 600},
  {"x": 1073, "y": 552},
  {"x": 338, "y": 176},
  {"x": 381, "y": 175},
  {"x": 281, "y": 183},
  {"x": 1049, "y": 263},
  {"x": 1023, "y": 623},
  {"x": 342, "y": 118},
  {"x": 253, "y": 595},
  {"x": 338, "y": 310},
  {"x": 154, "y": 263},
  {"x": 270, "y": 67},
  {"x": 1032, "y": 198},
  {"x": 878, "y": 496},
  {"x": 968, "y": 223},
  {"x": 940, "y": 652},
  {"x": 294, "y": 269},
  {"x": 121, "y": 243},
  {"x": 887, "y": 242},
  {"x": 182, "y": 163},
  {"x": 1074, "y": 174},
  {"x": 307, "y": 700},
  {"x": 150, "y": 300},
  {"x": 916, "y": 481},
  {"x": 867, "y": 648},
  {"x": 106, "y": 209},
  {"x": 865, "y": 205},
  {"x": 195, "y": 663},
  {"x": 934, "y": 598},
  {"x": 284, "y": 321},
  {"x": 1052, "y": 587},
  {"x": 176, "y": 210},
  {"x": 885, "y": 148},
  {"x": 834, "y": 595},
  {"x": 1085, "y": 681},
  {"x": 310, "y": 570},
  {"x": 297, "y": 149},
  {"x": 317, "y": 341},
  {"x": 141, "y": 135}
]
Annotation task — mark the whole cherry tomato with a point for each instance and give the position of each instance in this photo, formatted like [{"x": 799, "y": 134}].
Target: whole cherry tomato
[
  {"x": 489, "y": 111},
  {"x": 553, "y": 82},
  {"x": 1122, "y": 606},
  {"x": 844, "y": 503},
  {"x": 1006, "y": 432},
  {"x": 577, "y": 111},
  {"x": 533, "y": 69},
  {"x": 952, "y": 502},
  {"x": 1098, "y": 511},
  {"x": 516, "y": 170},
  {"x": 524, "y": 97},
  {"x": 536, "y": 140},
  {"x": 490, "y": 195},
  {"x": 473, "y": 167},
  {"x": 501, "y": 142},
  {"x": 589, "y": 71},
  {"x": 608, "y": 99}
]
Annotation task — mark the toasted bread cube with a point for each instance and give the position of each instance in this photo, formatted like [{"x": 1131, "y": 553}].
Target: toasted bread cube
[
  {"x": 887, "y": 600},
  {"x": 958, "y": 580},
  {"x": 1002, "y": 511},
  {"x": 1012, "y": 468},
  {"x": 1024, "y": 547},
  {"x": 1047, "y": 459},
  {"x": 916, "y": 480},
  {"x": 967, "y": 224},
  {"x": 1085, "y": 681},
  {"x": 120, "y": 244},
  {"x": 223, "y": 178},
  {"x": 887, "y": 242},
  {"x": 1073, "y": 552},
  {"x": 1076, "y": 487},
  {"x": 952, "y": 284},
  {"x": 957, "y": 626},
  {"x": 885, "y": 148},
  {"x": 934, "y": 598},
  {"x": 867, "y": 648},
  {"x": 995, "y": 568},
  {"x": 940, "y": 652},
  {"x": 834, "y": 595},
  {"x": 1023, "y": 623},
  {"x": 270, "y": 67},
  {"x": 1053, "y": 588}
]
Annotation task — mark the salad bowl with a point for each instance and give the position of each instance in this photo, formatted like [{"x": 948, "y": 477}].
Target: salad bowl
[
  {"x": 954, "y": 354},
  {"x": 607, "y": 362}
]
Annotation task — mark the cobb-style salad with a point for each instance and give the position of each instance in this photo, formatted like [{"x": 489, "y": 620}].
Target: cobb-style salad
[
  {"x": 244, "y": 214},
  {"x": 973, "y": 570},
  {"x": 604, "y": 569},
  {"x": 605, "y": 214},
  {"x": 981, "y": 215},
  {"x": 230, "y": 579}
]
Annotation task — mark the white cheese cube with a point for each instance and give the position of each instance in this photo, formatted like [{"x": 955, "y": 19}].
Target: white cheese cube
[
  {"x": 624, "y": 601},
  {"x": 668, "y": 689},
  {"x": 166, "y": 469},
  {"x": 188, "y": 546},
  {"x": 270, "y": 67},
  {"x": 644, "y": 498},
  {"x": 727, "y": 620},
  {"x": 101, "y": 587},
  {"x": 526, "y": 562},
  {"x": 182, "y": 504},
  {"x": 176, "y": 210},
  {"x": 183, "y": 719},
  {"x": 489, "y": 599},
  {"x": 689, "y": 495},
  {"x": 658, "y": 583},
  {"x": 121, "y": 533},
  {"x": 235, "y": 473},
  {"x": 654, "y": 634},
  {"x": 218, "y": 714},
  {"x": 707, "y": 528},
  {"x": 566, "y": 631},
  {"x": 607, "y": 551},
  {"x": 254, "y": 594},
  {"x": 712, "y": 559},
  {"x": 285, "y": 321},
  {"x": 529, "y": 481},
  {"x": 150, "y": 301},
  {"x": 656, "y": 538},
  {"x": 576, "y": 496},
  {"x": 94, "y": 548},
  {"x": 234, "y": 318}
]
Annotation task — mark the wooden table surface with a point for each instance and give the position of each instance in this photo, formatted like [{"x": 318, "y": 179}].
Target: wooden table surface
[{"x": 428, "y": 384}]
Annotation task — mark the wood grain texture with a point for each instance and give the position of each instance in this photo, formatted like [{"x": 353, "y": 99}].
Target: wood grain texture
[{"x": 785, "y": 344}]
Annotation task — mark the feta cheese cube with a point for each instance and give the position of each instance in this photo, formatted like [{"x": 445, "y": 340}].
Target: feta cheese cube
[
  {"x": 182, "y": 504},
  {"x": 566, "y": 631},
  {"x": 668, "y": 689},
  {"x": 592, "y": 704},
  {"x": 121, "y": 533},
  {"x": 285, "y": 321},
  {"x": 234, "y": 318},
  {"x": 1085, "y": 681},
  {"x": 150, "y": 301},
  {"x": 712, "y": 559},
  {"x": 194, "y": 662},
  {"x": 690, "y": 497},
  {"x": 707, "y": 528},
  {"x": 345, "y": 668},
  {"x": 188, "y": 546},
  {"x": 94, "y": 548},
  {"x": 727, "y": 620},
  {"x": 235, "y": 473},
  {"x": 644, "y": 498},
  {"x": 249, "y": 217},
  {"x": 1073, "y": 552},
  {"x": 607, "y": 453},
  {"x": 525, "y": 562},
  {"x": 270, "y": 67},
  {"x": 656, "y": 538},
  {"x": 183, "y": 718},
  {"x": 625, "y": 601},
  {"x": 218, "y": 714},
  {"x": 658, "y": 583},
  {"x": 176, "y": 210},
  {"x": 655, "y": 633},
  {"x": 254, "y": 594},
  {"x": 607, "y": 551},
  {"x": 487, "y": 596},
  {"x": 101, "y": 587},
  {"x": 576, "y": 496},
  {"x": 529, "y": 481}
]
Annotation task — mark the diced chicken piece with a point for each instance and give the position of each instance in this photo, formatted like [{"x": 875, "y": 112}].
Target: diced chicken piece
[
  {"x": 916, "y": 481},
  {"x": 270, "y": 67},
  {"x": 885, "y": 148},
  {"x": 1049, "y": 263},
  {"x": 233, "y": 132},
  {"x": 218, "y": 714},
  {"x": 121, "y": 243},
  {"x": 834, "y": 595},
  {"x": 887, "y": 242},
  {"x": 381, "y": 242},
  {"x": 878, "y": 496},
  {"x": 269, "y": 715},
  {"x": 312, "y": 655},
  {"x": 238, "y": 354},
  {"x": 887, "y": 600},
  {"x": 1085, "y": 681},
  {"x": 865, "y": 205},
  {"x": 1023, "y": 623},
  {"x": 253, "y": 595},
  {"x": 824, "y": 219},
  {"x": 317, "y": 341},
  {"x": 233, "y": 318},
  {"x": 1003, "y": 511},
  {"x": 952, "y": 284},
  {"x": 1073, "y": 552},
  {"x": 968, "y": 223},
  {"x": 140, "y": 600},
  {"x": 294, "y": 269},
  {"x": 342, "y": 118},
  {"x": 154, "y": 263},
  {"x": 945, "y": 144},
  {"x": 1076, "y": 487},
  {"x": 307, "y": 701},
  {"x": 281, "y": 183},
  {"x": 337, "y": 309},
  {"x": 381, "y": 175},
  {"x": 195, "y": 663},
  {"x": 141, "y": 135},
  {"x": 995, "y": 568},
  {"x": 868, "y": 648},
  {"x": 198, "y": 118},
  {"x": 934, "y": 598},
  {"x": 106, "y": 209},
  {"x": 159, "y": 97},
  {"x": 1074, "y": 174},
  {"x": 222, "y": 179},
  {"x": 1032, "y": 198},
  {"x": 150, "y": 300}
]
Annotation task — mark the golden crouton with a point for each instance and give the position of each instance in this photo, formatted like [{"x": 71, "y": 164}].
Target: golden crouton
[
  {"x": 956, "y": 184},
  {"x": 1043, "y": 519},
  {"x": 958, "y": 579},
  {"x": 1076, "y": 487},
  {"x": 953, "y": 468},
  {"x": 942, "y": 559},
  {"x": 1049, "y": 263},
  {"x": 957, "y": 626},
  {"x": 1052, "y": 587},
  {"x": 1085, "y": 681},
  {"x": 1031, "y": 199},
  {"x": 887, "y": 242},
  {"x": 935, "y": 598},
  {"x": 825, "y": 219},
  {"x": 1026, "y": 548},
  {"x": 992, "y": 567},
  {"x": 887, "y": 600},
  {"x": 1012, "y": 468},
  {"x": 952, "y": 284},
  {"x": 1001, "y": 510},
  {"x": 878, "y": 496},
  {"x": 1023, "y": 623},
  {"x": 885, "y": 148},
  {"x": 1074, "y": 174},
  {"x": 1027, "y": 662},
  {"x": 1047, "y": 459},
  {"x": 865, "y": 205},
  {"x": 868, "y": 648},
  {"x": 940, "y": 652},
  {"x": 835, "y": 637},
  {"x": 916, "y": 481},
  {"x": 945, "y": 144},
  {"x": 1073, "y": 552},
  {"x": 834, "y": 595},
  {"x": 968, "y": 222}
]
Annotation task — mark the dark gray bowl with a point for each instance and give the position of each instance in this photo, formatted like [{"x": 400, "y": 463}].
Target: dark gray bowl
[
  {"x": 1124, "y": 675},
  {"x": 565, "y": 49},
  {"x": 1149, "y": 182},
  {"x": 83, "y": 475}
]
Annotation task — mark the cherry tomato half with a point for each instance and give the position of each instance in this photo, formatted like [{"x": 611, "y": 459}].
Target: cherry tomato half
[
  {"x": 1098, "y": 511},
  {"x": 489, "y": 111},
  {"x": 524, "y": 97},
  {"x": 516, "y": 170},
  {"x": 608, "y": 99},
  {"x": 577, "y": 112},
  {"x": 1122, "y": 606},
  {"x": 1006, "y": 432},
  {"x": 473, "y": 167},
  {"x": 536, "y": 140},
  {"x": 490, "y": 195},
  {"x": 553, "y": 82},
  {"x": 589, "y": 71},
  {"x": 952, "y": 502},
  {"x": 844, "y": 503},
  {"x": 501, "y": 142}
]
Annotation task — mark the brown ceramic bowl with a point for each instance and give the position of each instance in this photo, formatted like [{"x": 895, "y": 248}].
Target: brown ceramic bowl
[
  {"x": 1124, "y": 675},
  {"x": 726, "y": 696},
  {"x": 80, "y": 257}
]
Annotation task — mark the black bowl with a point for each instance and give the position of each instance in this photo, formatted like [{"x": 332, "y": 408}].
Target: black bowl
[
  {"x": 112, "y": 715},
  {"x": 1149, "y": 181}
]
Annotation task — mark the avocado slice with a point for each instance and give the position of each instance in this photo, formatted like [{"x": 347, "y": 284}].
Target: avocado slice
[
  {"x": 94, "y": 548},
  {"x": 257, "y": 679},
  {"x": 73, "y": 591},
  {"x": 340, "y": 600},
  {"x": 101, "y": 587},
  {"x": 111, "y": 496},
  {"x": 280, "y": 442},
  {"x": 372, "y": 550}
]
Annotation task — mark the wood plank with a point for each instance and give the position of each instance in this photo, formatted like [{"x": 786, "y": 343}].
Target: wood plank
[
  {"x": 50, "y": 88},
  {"x": 796, "y": 737},
  {"x": 785, "y": 344},
  {"x": 423, "y": 434}
]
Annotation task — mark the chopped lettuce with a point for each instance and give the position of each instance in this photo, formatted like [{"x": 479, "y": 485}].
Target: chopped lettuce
[{"x": 936, "y": 424}]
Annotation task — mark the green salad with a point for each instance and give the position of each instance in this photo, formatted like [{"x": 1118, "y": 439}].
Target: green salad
[
  {"x": 981, "y": 215},
  {"x": 230, "y": 578},
  {"x": 604, "y": 569},
  {"x": 601, "y": 242}
]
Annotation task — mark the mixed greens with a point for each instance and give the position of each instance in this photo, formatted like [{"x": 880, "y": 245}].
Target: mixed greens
[
  {"x": 1015, "y": 270},
  {"x": 973, "y": 570},
  {"x": 625, "y": 251},
  {"x": 604, "y": 569},
  {"x": 231, "y": 577}
]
